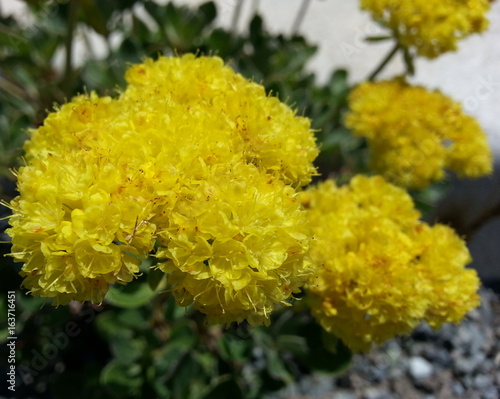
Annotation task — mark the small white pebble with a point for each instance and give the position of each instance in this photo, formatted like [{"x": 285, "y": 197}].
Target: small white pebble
[{"x": 419, "y": 368}]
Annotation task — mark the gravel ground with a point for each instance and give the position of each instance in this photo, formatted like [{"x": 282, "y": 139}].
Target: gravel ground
[{"x": 456, "y": 362}]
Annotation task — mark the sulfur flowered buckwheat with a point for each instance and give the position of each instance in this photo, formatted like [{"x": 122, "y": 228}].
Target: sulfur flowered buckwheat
[
  {"x": 383, "y": 270},
  {"x": 415, "y": 134},
  {"x": 237, "y": 244},
  {"x": 190, "y": 156},
  {"x": 430, "y": 27}
]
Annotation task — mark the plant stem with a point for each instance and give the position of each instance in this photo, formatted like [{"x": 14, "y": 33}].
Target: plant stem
[
  {"x": 13, "y": 90},
  {"x": 384, "y": 62},
  {"x": 236, "y": 16},
  {"x": 300, "y": 16},
  {"x": 68, "y": 68}
]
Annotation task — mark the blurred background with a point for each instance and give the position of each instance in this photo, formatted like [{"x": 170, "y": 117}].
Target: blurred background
[{"x": 309, "y": 53}]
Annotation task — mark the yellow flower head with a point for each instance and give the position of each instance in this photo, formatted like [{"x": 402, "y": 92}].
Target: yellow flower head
[
  {"x": 383, "y": 270},
  {"x": 191, "y": 155},
  {"x": 76, "y": 225},
  {"x": 229, "y": 109},
  {"x": 431, "y": 27},
  {"x": 414, "y": 134},
  {"x": 236, "y": 243}
]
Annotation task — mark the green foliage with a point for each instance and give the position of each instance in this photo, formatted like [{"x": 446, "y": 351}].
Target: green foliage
[{"x": 161, "y": 350}]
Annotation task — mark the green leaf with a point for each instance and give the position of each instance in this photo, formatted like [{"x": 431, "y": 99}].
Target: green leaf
[
  {"x": 128, "y": 52},
  {"x": 122, "y": 380},
  {"x": 292, "y": 343},
  {"x": 135, "y": 319},
  {"x": 12, "y": 38},
  {"x": 155, "y": 277},
  {"x": 184, "y": 334},
  {"x": 276, "y": 367},
  {"x": 377, "y": 38},
  {"x": 299, "y": 334},
  {"x": 408, "y": 60},
  {"x": 161, "y": 390},
  {"x": 234, "y": 349},
  {"x": 132, "y": 295},
  {"x": 109, "y": 326},
  {"x": 208, "y": 12},
  {"x": 168, "y": 359},
  {"x": 341, "y": 140},
  {"x": 155, "y": 11},
  {"x": 30, "y": 304},
  {"x": 173, "y": 311},
  {"x": 338, "y": 82},
  {"x": 182, "y": 340},
  {"x": 275, "y": 364},
  {"x": 325, "y": 353},
  {"x": 207, "y": 361},
  {"x": 222, "y": 43},
  {"x": 127, "y": 350},
  {"x": 97, "y": 75},
  {"x": 256, "y": 31},
  {"x": 426, "y": 200},
  {"x": 188, "y": 380},
  {"x": 109, "y": 8},
  {"x": 140, "y": 29},
  {"x": 92, "y": 15}
]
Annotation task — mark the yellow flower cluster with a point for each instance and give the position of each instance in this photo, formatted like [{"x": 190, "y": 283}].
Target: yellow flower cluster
[
  {"x": 82, "y": 218},
  {"x": 383, "y": 270},
  {"x": 431, "y": 27},
  {"x": 244, "y": 121},
  {"x": 192, "y": 156},
  {"x": 414, "y": 134},
  {"x": 237, "y": 243}
]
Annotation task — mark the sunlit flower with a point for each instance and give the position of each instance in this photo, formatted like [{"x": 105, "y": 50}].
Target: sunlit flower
[
  {"x": 237, "y": 243},
  {"x": 431, "y": 27},
  {"x": 383, "y": 270},
  {"x": 76, "y": 230},
  {"x": 190, "y": 154},
  {"x": 201, "y": 98},
  {"x": 414, "y": 134}
]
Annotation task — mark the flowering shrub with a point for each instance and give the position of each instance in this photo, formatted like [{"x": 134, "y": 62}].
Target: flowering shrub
[
  {"x": 383, "y": 269},
  {"x": 191, "y": 155}
]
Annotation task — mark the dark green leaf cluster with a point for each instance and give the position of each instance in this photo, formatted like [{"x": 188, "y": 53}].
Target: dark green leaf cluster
[{"x": 129, "y": 348}]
